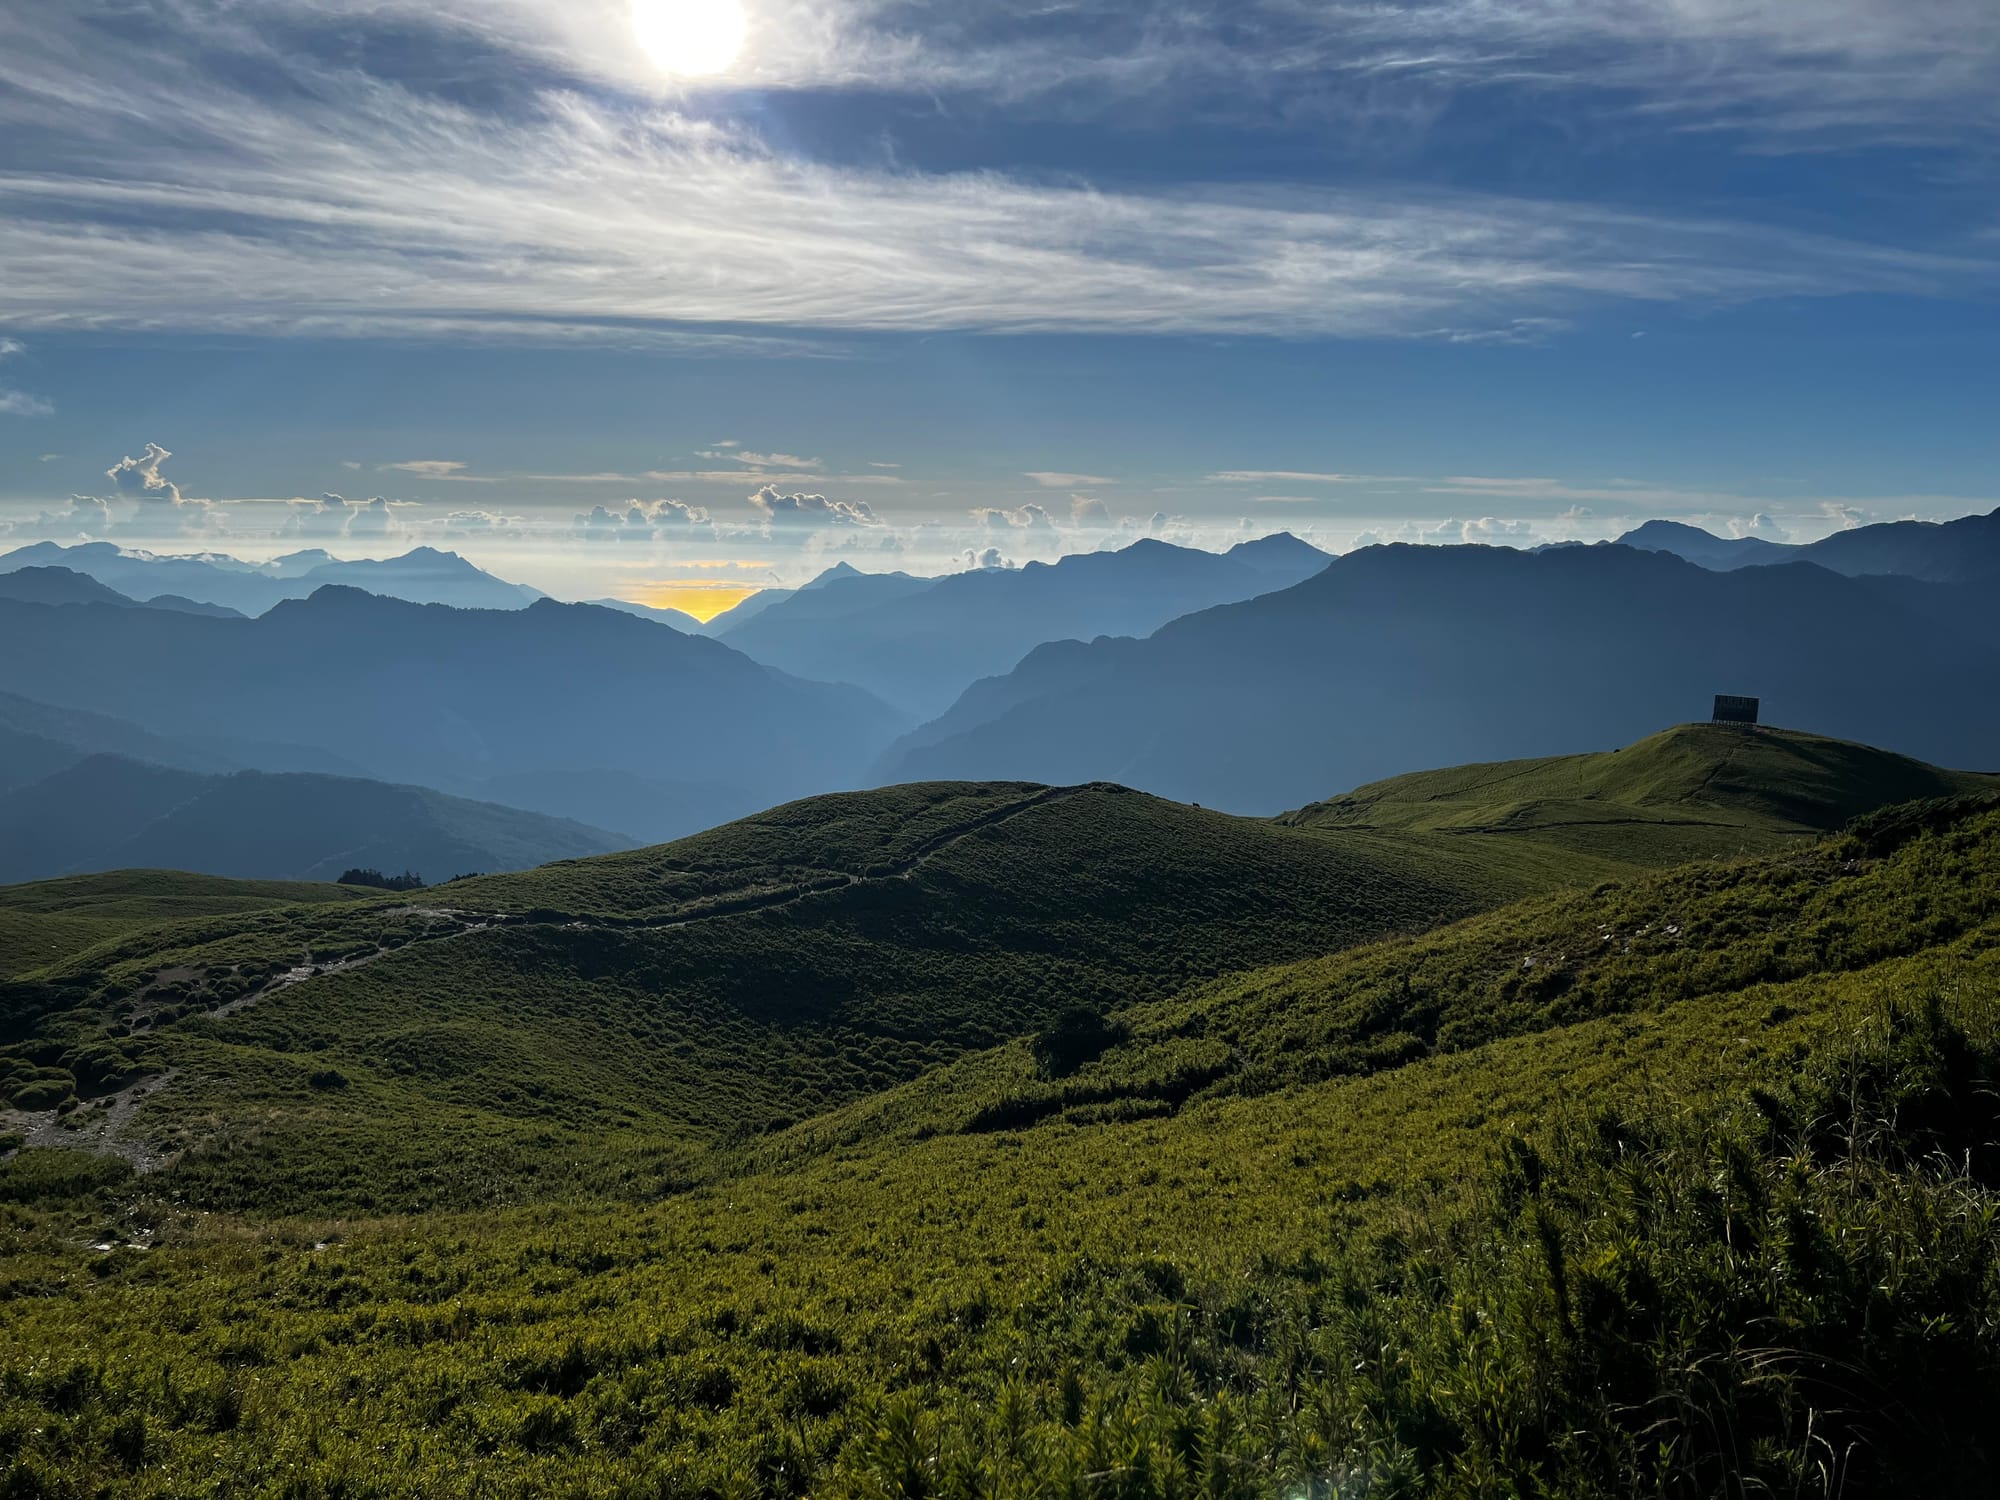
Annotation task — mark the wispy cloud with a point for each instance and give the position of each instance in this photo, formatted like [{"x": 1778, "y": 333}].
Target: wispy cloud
[
  {"x": 450, "y": 469},
  {"x": 20, "y": 403},
  {"x": 1051, "y": 480},
  {"x": 341, "y": 203},
  {"x": 1300, "y": 476}
]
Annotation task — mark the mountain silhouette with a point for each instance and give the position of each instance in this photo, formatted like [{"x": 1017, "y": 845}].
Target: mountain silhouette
[
  {"x": 423, "y": 575},
  {"x": 1962, "y": 551},
  {"x": 919, "y": 643},
  {"x": 453, "y": 699},
  {"x": 109, "y": 813},
  {"x": 1408, "y": 656}
]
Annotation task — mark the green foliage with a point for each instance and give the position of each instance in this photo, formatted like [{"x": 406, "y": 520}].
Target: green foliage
[
  {"x": 409, "y": 880},
  {"x": 943, "y": 1141},
  {"x": 1077, "y": 1036}
]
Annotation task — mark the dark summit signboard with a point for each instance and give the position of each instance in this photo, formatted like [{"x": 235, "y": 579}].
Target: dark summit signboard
[{"x": 1730, "y": 710}]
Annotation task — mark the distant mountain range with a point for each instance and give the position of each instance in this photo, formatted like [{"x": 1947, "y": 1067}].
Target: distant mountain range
[
  {"x": 108, "y": 813},
  {"x": 1400, "y": 656},
  {"x": 1961, "y": 551},
  {"x": 422, "y": 576},
  {"x": 47, "y": 585},
  {"x": 575, "y": 711},
  {"x": 920, "y": 642}
]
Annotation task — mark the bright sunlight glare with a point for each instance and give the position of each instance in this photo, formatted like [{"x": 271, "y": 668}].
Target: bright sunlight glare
[{"x": 690, "y": 37}]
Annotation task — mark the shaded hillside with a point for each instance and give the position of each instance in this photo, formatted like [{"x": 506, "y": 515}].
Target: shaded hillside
[
  {"x": 1962, "y": 551},
  {"x": 547, "y": 698},
  {"x": 1402, "y": 655},
  {"x": 49, "y": 585},
  {"x": 38, "y": 740},
  {"x": 919, "y": 643},
  {"x": 107, "y": 813}
]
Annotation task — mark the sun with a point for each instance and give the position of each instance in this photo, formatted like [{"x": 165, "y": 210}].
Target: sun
[{"x": 691, "y": 38}]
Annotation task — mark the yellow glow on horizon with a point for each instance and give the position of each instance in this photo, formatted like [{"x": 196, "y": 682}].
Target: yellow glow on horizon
[
  {"x": 690, "y": 38},
  {"x": 692, "y": 596}
]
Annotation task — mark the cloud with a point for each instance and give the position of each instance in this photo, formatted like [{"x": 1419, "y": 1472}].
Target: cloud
[
  {"x": 640, "y": 521},
  {"x": 20, "y": 403},
  {"x": 83, "y": 518},
  {"x": 782, "y": 510},
  {"x": 372, "y": 518},
  {"x": 1300, "y": 476},
  {"x": 206, "y": 202},
  {"x": 1500, "y": 531},
  {"x": 1760, "y": 526},
  {"x": 435, "y": 469},
  {"x": 140, "y": 478},
  {"x": 1088, "y": 511},
  {"x": 987, "y": 560},
  {"x": 1051, "y": 480},
  {"x": 1022, "y": 518},
  {"x": 769, "y": 460},
  {"x": 333, "y": 516}
]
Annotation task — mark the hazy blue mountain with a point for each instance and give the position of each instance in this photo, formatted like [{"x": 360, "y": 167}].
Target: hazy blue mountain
[
  {"x": 50, "y": 585},
  {"x": 674, "y": 619},
  {"x": 457, "y": 698},
  {"x": 423, "y": 575},
  {"x": 38, "y": 739},
  {"x": 749, "y": 609},
  {"x": 194, "y": 607},
  {"x": 1704, "y": 547},
  {"x": 108, "y": 813},
  {"x": 920, "y": 643},
  {"x": 1962, "y": 551},
  {"x": 1403, "y": 656}
]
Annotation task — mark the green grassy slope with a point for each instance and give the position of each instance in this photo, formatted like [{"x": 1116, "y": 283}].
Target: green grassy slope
[
  {"x": 619, "y": 1012},
  {"x": 1348, "y": 1267},
  {"x": 54, "y": 920},
  {"x": 1689, "y": 792},
  {"x": 596, "y": 1025}
]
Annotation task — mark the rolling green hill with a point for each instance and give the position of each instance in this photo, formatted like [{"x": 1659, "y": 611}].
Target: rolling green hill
[
  {"x": 1486, "y": 1211},
  {"x": 599, "y": 1024},
  {"x": 54, "y": 920},
  {"x": 629, "y": 1010},
  {"x": 1691, "y": 791}
]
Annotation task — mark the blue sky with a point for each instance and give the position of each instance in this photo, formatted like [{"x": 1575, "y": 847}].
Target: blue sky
[{"x": 980, "y": 281}]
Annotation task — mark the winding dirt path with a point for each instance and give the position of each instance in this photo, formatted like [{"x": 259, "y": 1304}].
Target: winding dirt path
[{"x": 465, "y": 924}]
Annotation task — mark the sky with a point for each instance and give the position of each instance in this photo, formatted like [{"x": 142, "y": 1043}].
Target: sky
[{"x": 672, "y": 299}]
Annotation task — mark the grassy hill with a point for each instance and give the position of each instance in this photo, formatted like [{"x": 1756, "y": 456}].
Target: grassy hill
[
  {"x": 54, "y": 920},
  {"x": 598, "y": 1024},
  {"x": 597, "y": 1021},
  {"x": 1485, "y": 1211},
  {"x": 1691, "y": 791}
]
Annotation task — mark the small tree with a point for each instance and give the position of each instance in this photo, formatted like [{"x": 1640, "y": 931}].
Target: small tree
[{"x": 1077, "y": 1036}]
